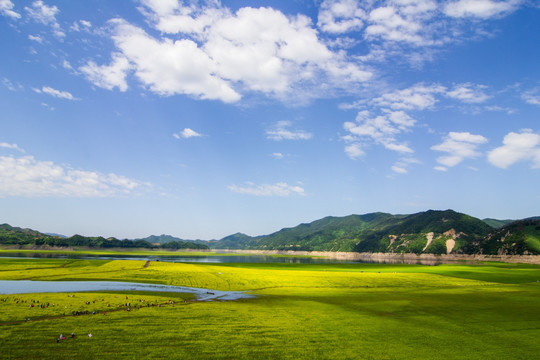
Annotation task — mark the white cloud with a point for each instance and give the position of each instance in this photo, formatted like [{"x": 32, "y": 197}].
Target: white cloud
[
  {"x": 171, "y": 67},
  {"x": 45, "y": 15},
  {"x": 55, "y": 93},
  {"x": 480, "y": 8},
  {"x": 211, "y": 53},
  {"x": 81, "y": 25},
  {"x": 532, "y": 96},
  {"x": 523, "y": 146},
  {"x": 402, "y": 166},
  {"x": 277, "y": 155},
  {"x": 36, "y": 38},
  {"x": 339, "y": 16},
  {"x": 469, "y": 93},
  {"x": 108, "y": 76},
  {"x": 354, "y": 151},
  {"x": 380, "y": 129},
  {"x": 416, "y": 97},
  {"x": 25, "y": 176},
  {"x": 281, "y": 132},
  {"x": 280, "y": 189},
  {"x": 6, "y": 9},
  {"x": 187, "y": 133},
  {"x": 409, "y": 30},
  {"x": 11, "y": 146},
  {"x": 10, "y": 86},
  {"x": 459, "y": 146}
]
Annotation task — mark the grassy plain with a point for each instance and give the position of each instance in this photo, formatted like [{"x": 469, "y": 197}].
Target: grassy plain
[{"x": 302, "y": 311}]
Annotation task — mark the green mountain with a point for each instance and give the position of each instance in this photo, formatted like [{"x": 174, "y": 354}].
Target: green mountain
[
  {"x": 432, "y": 231},
  {"x": 426, "y": 232},
  {"x": 234, "y": 241},
  {"x": 520, "y": 237},
  {"x": 495, "y": 223},
  {"x": 16, "y": 235}
]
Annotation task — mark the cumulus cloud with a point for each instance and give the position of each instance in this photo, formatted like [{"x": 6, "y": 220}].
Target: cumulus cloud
[
  {"x": 6, "y": 9},
  {"x": 25, "y": 176},
  {"x": 416, "y": 97},
  {"x": 522, "y": 146},
  {"x": 409, "y": 30},
  {"x": 280, "y": 189},
  {"x": 108, "y": 76},
  {"x": 381, "y": 129},
  {"x": 281, "y": 132},
  {"x": 459, "y": 146},
  {"x": 45, "y": 15},
  {"x": 55, "y": 93},
  {"x": 339, "y": 16},
  {"x": 208, "y": 52},
  {"x": 404, "y": 21},
  {"x": 469, "y": 93},
  {"x": 480, "y": 8},
  {"x": 187, "y": 133}
]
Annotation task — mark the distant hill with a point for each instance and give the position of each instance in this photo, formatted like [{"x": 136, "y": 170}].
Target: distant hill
[
  {"x": 10, "y": 235},
  {"x": 171, "y": 242}
]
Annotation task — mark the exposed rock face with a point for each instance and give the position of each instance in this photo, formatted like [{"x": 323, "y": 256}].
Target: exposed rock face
[
  {"x": 450, "y": 243},
  {"x": 429, "y": 237}
]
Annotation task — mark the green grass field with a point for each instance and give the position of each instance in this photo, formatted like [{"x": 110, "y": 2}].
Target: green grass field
[{"x": 302, "y": 311}]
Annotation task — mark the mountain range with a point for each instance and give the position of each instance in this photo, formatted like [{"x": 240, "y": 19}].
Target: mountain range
[{"x": 432, "y": 231}]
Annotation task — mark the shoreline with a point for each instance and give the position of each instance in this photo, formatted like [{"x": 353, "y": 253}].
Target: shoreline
[
  {"x": 383, "y": 258},
  {"x": 407, "y": 258}
]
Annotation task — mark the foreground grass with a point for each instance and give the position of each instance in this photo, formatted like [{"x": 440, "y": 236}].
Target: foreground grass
[{"x": 303, "y": 311}]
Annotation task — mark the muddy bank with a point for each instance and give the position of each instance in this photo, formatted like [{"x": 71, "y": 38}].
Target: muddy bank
[{"x": 426, "y": 259}]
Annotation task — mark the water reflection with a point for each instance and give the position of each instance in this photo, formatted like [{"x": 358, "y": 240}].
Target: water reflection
[
  {"x": 183, "y": 258},
  {"x": 347, "y": 258}
]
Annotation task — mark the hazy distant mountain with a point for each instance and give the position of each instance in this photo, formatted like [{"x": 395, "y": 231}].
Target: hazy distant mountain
[{"x": 160, "y": 239}]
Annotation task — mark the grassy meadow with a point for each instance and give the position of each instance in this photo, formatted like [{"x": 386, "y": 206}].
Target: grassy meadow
[{"x": 302, "y": 311}]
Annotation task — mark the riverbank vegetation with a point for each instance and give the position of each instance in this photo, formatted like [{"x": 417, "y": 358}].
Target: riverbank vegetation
[{"x": 345, "y": 311}]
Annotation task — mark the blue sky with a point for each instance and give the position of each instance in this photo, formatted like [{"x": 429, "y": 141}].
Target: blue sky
[{"x": 200, "y": 119}]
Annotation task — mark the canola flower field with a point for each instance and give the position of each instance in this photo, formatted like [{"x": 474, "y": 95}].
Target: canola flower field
[{"x": 300, "y": 311}]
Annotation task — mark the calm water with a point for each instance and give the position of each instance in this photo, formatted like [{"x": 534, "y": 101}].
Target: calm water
[
  {"x": 28, "y": 286},
  {"x": 196, "y": 259},
  {"x": 238, "y": 259}
]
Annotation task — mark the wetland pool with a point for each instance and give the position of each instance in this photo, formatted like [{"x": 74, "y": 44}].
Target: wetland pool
[{"x": 30, "y": 286}]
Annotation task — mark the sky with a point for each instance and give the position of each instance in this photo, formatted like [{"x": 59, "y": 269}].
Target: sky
[{"x": 200, "y": 119}]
